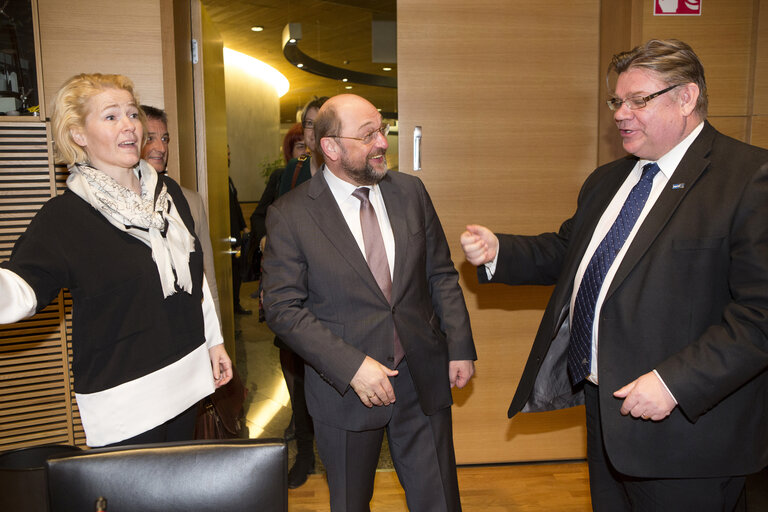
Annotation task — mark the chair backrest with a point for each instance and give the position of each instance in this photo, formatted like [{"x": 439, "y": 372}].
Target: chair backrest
[
  {"x": 23, "y": 483},
  {"x": 234, "y": 474}
]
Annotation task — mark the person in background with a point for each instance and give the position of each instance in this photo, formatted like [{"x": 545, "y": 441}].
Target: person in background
[
  {"x": 659, "y": 317},
  {"x": 293, "y": 148},
  {"x": 359, "y": 282},
  {"x": 146, "y": 341},
  {"x": 305, "y": 166},
  {"x": 293, "y": 143},
  {"x": 155, "y": 152},
  {"x": 238, "y": 229}
]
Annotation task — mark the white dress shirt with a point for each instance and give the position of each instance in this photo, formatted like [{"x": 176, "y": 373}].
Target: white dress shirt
[
  {"x": 350, "y": 209},
  {"x": 667, "y": 165}
]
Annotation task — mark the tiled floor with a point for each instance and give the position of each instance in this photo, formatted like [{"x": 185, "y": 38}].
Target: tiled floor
[{"x": 268, "y": 407}]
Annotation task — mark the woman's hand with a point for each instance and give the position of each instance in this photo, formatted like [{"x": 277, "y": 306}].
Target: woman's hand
[{"x": 221, "y": 365}]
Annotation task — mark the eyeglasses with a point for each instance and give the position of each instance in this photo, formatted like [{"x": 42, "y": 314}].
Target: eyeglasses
[
  {"x": 368, "y": 137},
  {"x": 636, "y": 102},
  {"x": 309, "y": 124}
]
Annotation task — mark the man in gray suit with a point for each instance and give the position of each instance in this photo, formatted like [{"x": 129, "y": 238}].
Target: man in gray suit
[{"x": 326, "y": 295}]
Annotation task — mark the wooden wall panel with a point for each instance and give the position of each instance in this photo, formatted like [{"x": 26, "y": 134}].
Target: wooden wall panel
[
  {"x": 104, "y": 36},
  {"x": 722, "y": 38},
  {"x": 760, "y": 103},
  {"x": 506, "y": 94},
  {"x": 760, "y": 131}
]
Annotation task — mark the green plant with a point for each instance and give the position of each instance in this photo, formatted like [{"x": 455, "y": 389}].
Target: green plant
[{"x": 268, "y": 167}]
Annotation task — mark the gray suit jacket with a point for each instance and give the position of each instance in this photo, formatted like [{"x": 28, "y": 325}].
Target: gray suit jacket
[
  {"x": 690, "y": 299},
  {"x": 197, "y": 208},
  {"x": 321, "y": 298}
]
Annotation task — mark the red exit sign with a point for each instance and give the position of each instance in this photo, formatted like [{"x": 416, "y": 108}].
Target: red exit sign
[{"x": 677, "y": 7}]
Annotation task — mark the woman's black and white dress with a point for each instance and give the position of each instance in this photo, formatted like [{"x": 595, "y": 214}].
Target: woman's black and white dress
[{"x": 139, "y": 358}]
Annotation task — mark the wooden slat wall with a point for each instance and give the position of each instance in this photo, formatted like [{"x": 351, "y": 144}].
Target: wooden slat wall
[{"x": 36, "y": 398}]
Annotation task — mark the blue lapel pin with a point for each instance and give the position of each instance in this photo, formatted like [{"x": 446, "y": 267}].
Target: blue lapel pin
[{"x": 678, "y": 186}]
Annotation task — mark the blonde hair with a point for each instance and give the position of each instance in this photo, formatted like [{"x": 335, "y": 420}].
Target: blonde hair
[{"x": 71, "y": 106}]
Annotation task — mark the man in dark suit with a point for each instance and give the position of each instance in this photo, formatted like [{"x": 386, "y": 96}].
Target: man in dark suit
[
  {"x": 357, "y": 272},
  {"x": 659, "y": 317}
]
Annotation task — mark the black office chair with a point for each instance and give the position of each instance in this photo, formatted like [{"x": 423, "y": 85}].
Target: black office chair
[
  {"x": 216, "y": 476},
  {"x": 23, "y": 483}
]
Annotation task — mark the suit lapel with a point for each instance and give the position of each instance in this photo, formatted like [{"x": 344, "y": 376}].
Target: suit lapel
[
  {"x": 607, "y": 186},
  {"x": 396, "y": 213},
  {"x": 688, "y": 172},
  {"x": 327, "y": 216}
]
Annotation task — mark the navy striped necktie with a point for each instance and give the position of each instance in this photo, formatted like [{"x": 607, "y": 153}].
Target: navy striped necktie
[{"x": 583, "y": 317}]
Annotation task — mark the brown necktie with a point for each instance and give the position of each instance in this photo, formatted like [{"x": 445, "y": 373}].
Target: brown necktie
[{"x": 376, "y": 255}]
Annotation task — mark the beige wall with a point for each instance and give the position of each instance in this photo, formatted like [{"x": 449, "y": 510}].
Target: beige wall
[
  {"x": 104, "y": 36},
  {"x": 253, "y": 128},
  {"x": 507, "y": 98},
  {"x": 730, "y": 38}
]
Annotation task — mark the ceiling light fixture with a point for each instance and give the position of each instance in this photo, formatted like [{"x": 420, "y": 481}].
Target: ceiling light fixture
[
  {"x": 257, "y": 69},
  {"x": 257, "y": 28},
  {"x": 386, "y": 68},
  {"x": 292, "y": 35}
]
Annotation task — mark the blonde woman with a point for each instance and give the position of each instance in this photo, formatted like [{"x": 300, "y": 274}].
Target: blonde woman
[{"x": 146, "y": 341}]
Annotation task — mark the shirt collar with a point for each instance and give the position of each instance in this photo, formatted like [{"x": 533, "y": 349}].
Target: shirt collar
[
  {"x": 341, "y": 190},
  {"x": 669, "y": 162}
]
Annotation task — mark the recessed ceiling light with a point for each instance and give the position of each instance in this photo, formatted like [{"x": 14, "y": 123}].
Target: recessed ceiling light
[
  {"x": 345, "y": 79},
  {"x": 257, "y": 28},
  {"x": 292, "y": 41},
  {"x": 299, "y": 65},
  {"x": 348, "y": 87},
  {"x": 387, "y": 68}
]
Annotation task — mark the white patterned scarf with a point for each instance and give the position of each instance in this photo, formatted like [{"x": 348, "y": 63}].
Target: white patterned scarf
[{"x": 156, "y": 222}]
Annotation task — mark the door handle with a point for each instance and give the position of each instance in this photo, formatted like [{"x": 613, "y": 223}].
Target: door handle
[{"x": 417, "y": 148}]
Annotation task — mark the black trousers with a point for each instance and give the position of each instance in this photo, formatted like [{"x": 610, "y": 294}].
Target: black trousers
[{"x": 612, "y": 491}]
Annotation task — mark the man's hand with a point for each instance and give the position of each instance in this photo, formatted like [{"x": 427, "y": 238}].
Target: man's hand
[
  {"x": 479, "y": 244},
  {"x": 646, "y": 398},
  {"x": 221, "y": 364},
  {"x": 371, "y": 383},
  {"x": 460, "y": 372}
]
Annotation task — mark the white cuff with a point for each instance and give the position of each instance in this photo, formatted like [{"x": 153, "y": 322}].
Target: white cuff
[
  {"x": 17, "y": 298},
  {"x": 490, "y": 267},
  {"x": 213, "y": 334},
  {"x": 665, "y": 385}
]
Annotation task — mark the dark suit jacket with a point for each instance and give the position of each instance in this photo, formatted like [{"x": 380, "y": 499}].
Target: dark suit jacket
[
  {"x": 690, "y": 299},
  {"x": 321, "y": 298}
]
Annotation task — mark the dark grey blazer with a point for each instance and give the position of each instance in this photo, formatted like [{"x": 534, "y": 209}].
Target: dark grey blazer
[
  {"x": 321, "y": 298},
  {"x": 690, "y": 299}
]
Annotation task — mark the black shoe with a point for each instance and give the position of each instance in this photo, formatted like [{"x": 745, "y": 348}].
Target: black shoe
[
  {"x": 301, "y": 469},
  {"x": 240, "y": 310},
  {"x": 289, "y": 434}
]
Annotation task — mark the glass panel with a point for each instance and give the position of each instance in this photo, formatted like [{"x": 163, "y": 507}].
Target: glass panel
[{"x": 18, "y": 75}]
